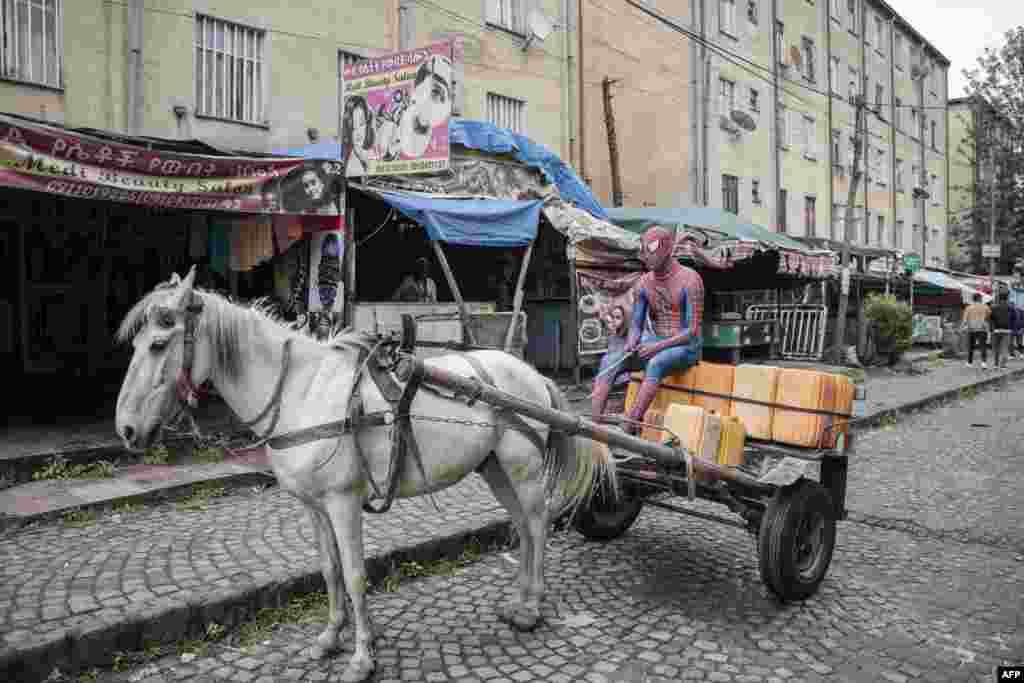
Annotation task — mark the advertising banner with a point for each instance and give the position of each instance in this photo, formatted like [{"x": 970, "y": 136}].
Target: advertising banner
[
  {"x": 600, "y": 292},
  {"x": 34, "y": 156},
  {"x": 396, "y": 112}
]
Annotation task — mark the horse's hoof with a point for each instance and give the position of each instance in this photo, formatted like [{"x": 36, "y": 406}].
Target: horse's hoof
[
  {"x": 358, "y": 670},
  {"x": 519, "y": 617}
]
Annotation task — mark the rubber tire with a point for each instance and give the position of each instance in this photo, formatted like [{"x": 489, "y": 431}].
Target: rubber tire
[
  {"x": 599, "y": 523},
  {"x": 777, "y": 541}
]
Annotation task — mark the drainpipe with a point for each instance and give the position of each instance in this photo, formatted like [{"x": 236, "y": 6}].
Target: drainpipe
[
  {"x": 134, "y": 70},
  {"x": 829, "y": 86},
  {"x": 774, "y": 137},
  {"x": 582, "y": 91},
  {"x": 866, "y": 145},
  {"x": 404, "y": 26},
  {"x": 568, "y": 130},
  {"x": 892, "y": 120},
  {"x": 703, "y": 73}
]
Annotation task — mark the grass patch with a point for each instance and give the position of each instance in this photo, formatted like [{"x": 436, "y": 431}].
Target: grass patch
[
  {"x": 888, "y": 421},
  {"x": 208, "y": 454},
  {"x": 967, "y": 393},
  {"x": 856, "y": 375},
  {"x": 201, "y": 495},
  {"x": 126, "y": 507},
  {"x": 59, "y": 468},
  {"x": 309, "y": 608},
  {"x": 443, "y": 567},
  {"x": 156, "y": 455},
  {"x": 79, "y": 518}
]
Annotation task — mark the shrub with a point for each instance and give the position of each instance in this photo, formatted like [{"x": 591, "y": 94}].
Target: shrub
[{"x": 893, "y": 320}]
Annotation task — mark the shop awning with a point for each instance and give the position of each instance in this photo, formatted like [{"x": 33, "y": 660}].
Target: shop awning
[
  {"x": 943, "y": 281},
  {"x": 728, "y": 225},
  {"x": 471, "y": 222}
]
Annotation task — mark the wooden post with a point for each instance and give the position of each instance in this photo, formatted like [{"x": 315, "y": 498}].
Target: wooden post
[
  {"x": 574, "y": 321},
  {"x": 851, "y": 198},
  {"x": 463, "y": 311},
  {"x": 518, "y": 301},
  {"x": 350, "y": 270},
  {"x": 613, "y": 144}
]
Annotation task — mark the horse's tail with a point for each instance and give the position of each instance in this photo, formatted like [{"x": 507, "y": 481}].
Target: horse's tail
[{"x": 574, "y": 472}]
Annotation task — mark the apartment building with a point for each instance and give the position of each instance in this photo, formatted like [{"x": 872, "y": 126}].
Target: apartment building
[
  {"x": 969, "y": 177},
  {"x": 781, "y": 120},
  {"x": 261, "y": 75}
]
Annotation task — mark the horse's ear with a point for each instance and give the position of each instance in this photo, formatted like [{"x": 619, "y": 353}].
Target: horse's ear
[
  {"x": 190, "y": 279},
  {"x": 175, "y": 280}
]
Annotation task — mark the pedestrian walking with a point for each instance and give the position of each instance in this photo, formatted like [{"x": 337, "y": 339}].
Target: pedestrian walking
[
  {"x": 976, "y": 323},
  {"x": 1001, "y": 324}
]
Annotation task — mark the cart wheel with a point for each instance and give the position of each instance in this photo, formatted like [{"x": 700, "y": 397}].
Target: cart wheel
[
  {"x": 604, "y": 518},
  {"x": 796, "y": 540}
]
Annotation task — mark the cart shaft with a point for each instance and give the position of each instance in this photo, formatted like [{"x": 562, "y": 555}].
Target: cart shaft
[{"x": 573, "y": 424}]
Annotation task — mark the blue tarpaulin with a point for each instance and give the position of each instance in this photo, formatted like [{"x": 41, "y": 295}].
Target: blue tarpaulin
[
  {"x": 486, "y": 137},
  {"x": 472, "y": 222}
]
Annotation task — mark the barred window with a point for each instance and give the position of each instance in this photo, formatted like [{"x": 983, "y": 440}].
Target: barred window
[
  {"x": 506, "y": 112},
  {"x": 32, "y": 41},
  {"x": 229, "y": 70},
  {"x": 508, "y": 14}
]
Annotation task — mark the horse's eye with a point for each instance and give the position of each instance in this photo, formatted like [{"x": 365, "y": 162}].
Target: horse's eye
[{"x": 165, "y": 320}]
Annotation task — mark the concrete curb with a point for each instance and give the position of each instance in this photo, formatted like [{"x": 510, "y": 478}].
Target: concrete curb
[
  {"x": 166, "y": 621},
  {"x": 878, "y": 417},
  {"x": 176, "y": 491}
]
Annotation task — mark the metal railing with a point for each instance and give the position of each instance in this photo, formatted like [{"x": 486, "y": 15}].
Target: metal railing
[{"x": 801, "y": 331}]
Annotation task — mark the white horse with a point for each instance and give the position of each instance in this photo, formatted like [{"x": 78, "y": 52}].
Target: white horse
[{"x": 282, "y": 380}]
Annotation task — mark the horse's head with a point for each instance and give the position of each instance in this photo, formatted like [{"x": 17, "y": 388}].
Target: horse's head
[{"x": 170, "y": 360}]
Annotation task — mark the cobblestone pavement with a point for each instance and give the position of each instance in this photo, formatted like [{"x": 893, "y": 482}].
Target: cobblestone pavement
[
  {"x": 679, "y": 598},
  {"x": 954, "y": 471},
  {"x": 674, "y": 599},
  {"x": 56, "y": 577}
]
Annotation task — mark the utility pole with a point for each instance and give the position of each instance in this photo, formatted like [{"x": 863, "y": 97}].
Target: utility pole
[
  {"x": 923, "y": 195},
  {"x": 851, "y": 198},
  {"x": 613, "y": 143},
  {"x": 992, "y": 210}
]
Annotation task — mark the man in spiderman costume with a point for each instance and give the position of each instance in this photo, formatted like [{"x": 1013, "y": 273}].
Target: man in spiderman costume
[{"x": 673, "y": 296}]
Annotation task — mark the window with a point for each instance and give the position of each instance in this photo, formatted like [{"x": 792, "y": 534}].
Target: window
[
  {"x": 915, "y": 55},
  {"x": 229, "y": 70},
  {"x": 879, "y": 34},
  {"x": 506, "y": 112},
  {"x": 780, "y": 47},
  {"x": 726, "y": 95},
  {"x": 914, "y": 132},
  {"x": 934, "y": 190},
  {"x": 933, "y": 136},
  {"x": 731, "y": 193},
  {"x": 727, "y": 17},
  {"x": 752, "y": 11},
  {"x": 809, "y": 137},
  {"x": 899, "y": 175},
  {"x": 899, "y": 114},
  {"x": 755, "y": 191},
  {"x": 837, "y": 220},
  {"x": 881, "y": 230},
  {"x": 808, "y": 50},
  {"x": 782, "y": 124},
  {"x": 837, "y": 8},
  {"x": 32, "y": 49},
  {"x": 854, "y": 85},
  {"x": 881, "y": 173},
  {"x": 781, "y": 211},
  {"x": 506, "y": 14},
  {"x": 833, "y": 71},
  {"x": 851, "y": 8},
  {"x": 852, "y": 152},
  {"x": 755, "y": 104},
  {"x": 810, "y": 219},
  {"x": 914, "y": 177},
  {"x": 869, "y": 30},
  {"x": 897, "y": 53},
  {"x": 836, "y": 148},
  {"x": 897, "y": 235},
  {"x": 879, "y": 94}
]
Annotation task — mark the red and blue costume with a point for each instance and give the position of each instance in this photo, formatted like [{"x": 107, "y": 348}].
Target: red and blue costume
[{"x": 673, "y": 296}]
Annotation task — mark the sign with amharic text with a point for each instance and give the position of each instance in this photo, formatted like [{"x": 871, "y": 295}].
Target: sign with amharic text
[{"x": 35, "y": 156}]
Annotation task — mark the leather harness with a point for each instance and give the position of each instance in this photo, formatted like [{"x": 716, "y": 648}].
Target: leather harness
[{"x": 398, "y": 395}]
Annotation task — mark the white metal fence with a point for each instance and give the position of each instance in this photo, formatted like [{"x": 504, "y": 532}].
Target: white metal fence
[{"x": 801, "y": 331}]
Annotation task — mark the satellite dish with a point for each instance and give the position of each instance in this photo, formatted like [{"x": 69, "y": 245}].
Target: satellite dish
[
  {"x": 538, "y": 26},
  {"x": 743, "y": 119}
]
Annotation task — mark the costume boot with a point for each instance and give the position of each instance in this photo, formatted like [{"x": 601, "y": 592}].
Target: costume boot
[
  {"x": 647, "y": 392},
  {"x": 600, "y": 398}
]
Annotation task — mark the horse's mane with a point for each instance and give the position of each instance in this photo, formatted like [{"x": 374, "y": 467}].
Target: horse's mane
[{"x": 226, "y": 320}]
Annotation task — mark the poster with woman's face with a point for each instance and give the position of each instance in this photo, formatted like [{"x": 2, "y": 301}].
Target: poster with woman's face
[
  {"x": 316, "y": 187},
  {"x": 326, "y": 286}
]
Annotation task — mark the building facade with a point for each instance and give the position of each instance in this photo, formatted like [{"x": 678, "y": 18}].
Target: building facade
[
  {"x": 781, "y": 84},
  {"x": 257, "y": 75}
]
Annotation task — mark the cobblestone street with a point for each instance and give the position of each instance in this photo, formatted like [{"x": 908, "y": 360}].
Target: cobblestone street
[{"x": 938, "y": 597}]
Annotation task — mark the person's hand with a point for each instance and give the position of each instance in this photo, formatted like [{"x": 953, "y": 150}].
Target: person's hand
[{"x": 647, "y": 351}]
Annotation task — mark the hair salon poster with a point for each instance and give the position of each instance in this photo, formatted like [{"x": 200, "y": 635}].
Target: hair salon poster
[
  {"x": 326, "y": 286},
  {"x": 396, "y": 111}
]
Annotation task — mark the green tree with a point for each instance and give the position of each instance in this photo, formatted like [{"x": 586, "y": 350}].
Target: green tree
[{"x": 996, "y": 88}]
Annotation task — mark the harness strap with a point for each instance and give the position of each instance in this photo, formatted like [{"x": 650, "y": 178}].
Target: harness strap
[{"x": 506, "y": 418}]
